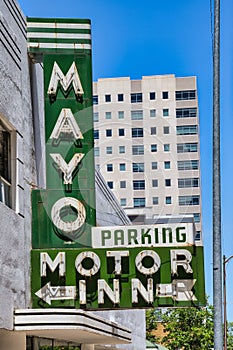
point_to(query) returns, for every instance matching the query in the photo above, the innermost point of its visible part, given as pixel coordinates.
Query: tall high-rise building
(147, 144)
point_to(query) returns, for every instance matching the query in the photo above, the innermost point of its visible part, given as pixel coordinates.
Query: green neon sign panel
(66, 209)
(118, 278)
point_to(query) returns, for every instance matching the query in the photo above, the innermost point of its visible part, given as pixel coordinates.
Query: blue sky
(137, 38)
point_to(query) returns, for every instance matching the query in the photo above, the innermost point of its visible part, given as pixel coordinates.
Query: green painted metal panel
(58, 35)
(106, 272)
(45, 234)
(66, 146)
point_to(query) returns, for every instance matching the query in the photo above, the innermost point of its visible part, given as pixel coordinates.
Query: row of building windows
(136, 149)
(141, 184)
(140, 202)
(138, 114)
(139, 132)
(140, 167)
(138, 96)
(181, 148)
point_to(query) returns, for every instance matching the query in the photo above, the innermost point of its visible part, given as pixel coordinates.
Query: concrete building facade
(147, 144)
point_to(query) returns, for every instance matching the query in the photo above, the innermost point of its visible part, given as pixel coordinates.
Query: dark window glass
(107, 98)
(122, 184)
(165, 95)
(139, 202)
(152, 95)
(186, 95)
(5, 166)
(187, 165)
(109, 167)
(95, 100)
(137, 132)
(109, 132)
(136, 97)
(187, 147)
(110, 184)
(186, 112)
(138, 167)
(139, 184)
(120, 97)
(96, 134)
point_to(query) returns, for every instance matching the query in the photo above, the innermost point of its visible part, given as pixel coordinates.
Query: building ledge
(76, 326)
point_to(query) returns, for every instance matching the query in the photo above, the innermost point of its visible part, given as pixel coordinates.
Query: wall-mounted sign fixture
(64, 212)
(73, 263)
(118, 278)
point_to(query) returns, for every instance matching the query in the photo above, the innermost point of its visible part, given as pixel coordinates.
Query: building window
(108, 115)
(96, 151)
(96, 134)
(120, 97)
(154, 183)
(122, 184)
(165, 95)
(122, 166)
(121, 149)
(187, 165)
(155, 200)
(165, 112)
(137, 115)
(197, 217)
(95, 100)
(168, 200)
(139, 184)
(138, 167)
(152, 95)
(137, 132)
(107, 98)
(186, 112)
(186, 95)
(110, 184)
(139, 202)
(109, 132)
(96, 117)
(123, 202)
(154, 165)
(153, 130)
(198, 236)
(189, 200)
(188, 182)
(109, 150)
(121, 132)
(153, 148)
(152, 113)
(167, 165)
(166, 147)
(6, 190)
(136, 97)
(167, 182)
(121, 115)
(166, 130)
(137, 150)
(187, 147)
(109, 167)
(186, 129)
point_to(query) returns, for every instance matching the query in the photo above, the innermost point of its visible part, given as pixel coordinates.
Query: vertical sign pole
(217, 251)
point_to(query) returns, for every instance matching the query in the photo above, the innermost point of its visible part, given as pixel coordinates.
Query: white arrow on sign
(180, 290)
(48, 293)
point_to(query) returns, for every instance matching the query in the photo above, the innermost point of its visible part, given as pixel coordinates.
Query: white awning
(71, 325)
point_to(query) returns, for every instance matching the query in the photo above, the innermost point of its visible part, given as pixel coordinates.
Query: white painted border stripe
(59, 35)
(59, 25)
(59, 46)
